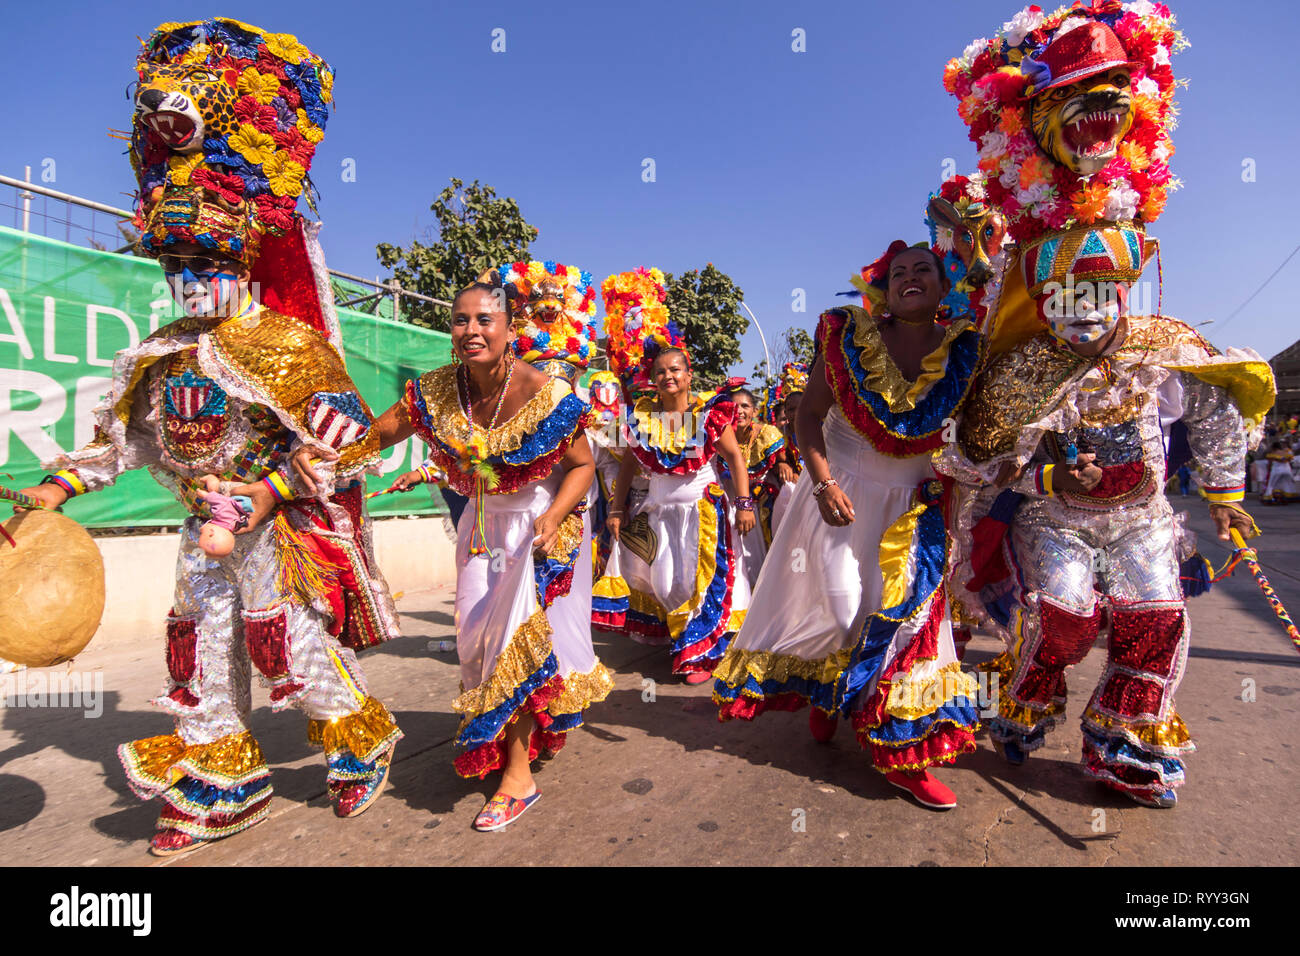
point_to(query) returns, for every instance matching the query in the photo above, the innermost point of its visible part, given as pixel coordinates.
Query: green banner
(65, 311)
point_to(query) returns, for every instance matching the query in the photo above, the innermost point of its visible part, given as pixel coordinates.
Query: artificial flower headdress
(794, 379)
(637, 325)
(997, 82)
(552, 306)
(227, 120)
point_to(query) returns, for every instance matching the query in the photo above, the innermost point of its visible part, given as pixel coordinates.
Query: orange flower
(1154, 205)
(1133, 154)
(1012, 122)
(1036, 169)
(1089, 202)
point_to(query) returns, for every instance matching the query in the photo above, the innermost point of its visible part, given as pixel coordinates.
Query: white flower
(973, 49)
(943, 238)
(1021, 25)
(1160, 153)
(993, 143)
(1161, 56)
(1010, 177)
(1122, 201)
(1033, 195)
(975, 188)
(1148, 86)
(1068, 24)
(1143, 8)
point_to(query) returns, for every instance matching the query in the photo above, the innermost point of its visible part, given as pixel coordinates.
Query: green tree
(705, 304)
(476, 231)
(794, 345)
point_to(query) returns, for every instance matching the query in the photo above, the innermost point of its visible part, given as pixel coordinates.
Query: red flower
(260, 117)
(1003, 86)
(228, 186)
(561, 270)
(572, 344)
(521, 268)
(290, 95)
(268, 62)
(296, 146)
(275, 211)
(525, 343)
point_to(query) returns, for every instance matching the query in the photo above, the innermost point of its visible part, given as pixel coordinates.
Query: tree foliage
(705, 304)
(476, 231)
(794, 345)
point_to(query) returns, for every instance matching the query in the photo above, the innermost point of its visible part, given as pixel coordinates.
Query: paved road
(662, 782)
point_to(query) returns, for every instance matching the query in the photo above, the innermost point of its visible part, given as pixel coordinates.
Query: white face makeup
(1083, 313)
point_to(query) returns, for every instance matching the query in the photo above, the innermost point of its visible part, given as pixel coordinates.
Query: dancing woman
(849, 613)
(512, 440)
(761, 445)
(680, 548)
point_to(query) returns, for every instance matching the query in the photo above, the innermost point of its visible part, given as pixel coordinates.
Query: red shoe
(171, 842)
(925, 787)
(698, 677)
(502, 810)
(821, 725)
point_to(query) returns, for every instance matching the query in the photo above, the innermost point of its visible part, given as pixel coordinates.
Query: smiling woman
(514, 441)
(849, 612)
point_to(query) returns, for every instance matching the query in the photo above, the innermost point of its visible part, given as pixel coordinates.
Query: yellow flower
(182, 165)
(326, 84)
(310, 131)
(196, 54)
(536, 272)
(1133, 154)
(263, 87)
(284, 175)
(287, 47)
(251, 143)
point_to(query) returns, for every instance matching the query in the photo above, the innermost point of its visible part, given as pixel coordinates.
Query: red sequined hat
(1087, 50)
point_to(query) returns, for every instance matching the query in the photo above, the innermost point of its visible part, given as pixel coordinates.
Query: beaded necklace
(475, 456)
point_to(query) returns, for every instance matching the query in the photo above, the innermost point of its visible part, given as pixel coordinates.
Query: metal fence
(55, 215)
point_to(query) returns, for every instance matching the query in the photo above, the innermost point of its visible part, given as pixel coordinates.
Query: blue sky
(786, 170)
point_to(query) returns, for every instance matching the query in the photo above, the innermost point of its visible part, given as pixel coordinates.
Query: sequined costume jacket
(1030, 404)
(235, 400)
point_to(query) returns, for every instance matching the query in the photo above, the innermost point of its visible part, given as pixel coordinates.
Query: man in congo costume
(217, 404)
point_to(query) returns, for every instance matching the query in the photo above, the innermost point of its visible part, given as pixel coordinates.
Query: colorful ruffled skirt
(853, 620)
(523, 629)
(676, 577)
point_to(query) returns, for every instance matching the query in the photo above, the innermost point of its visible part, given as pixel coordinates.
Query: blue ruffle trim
(486, 726)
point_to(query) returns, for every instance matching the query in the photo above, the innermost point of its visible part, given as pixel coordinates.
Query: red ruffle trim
(721, 414)
(747, 708)
(859, 415)
(945, 744)
(558, 587)
(172, 815)
(491, 756)
(924, 645)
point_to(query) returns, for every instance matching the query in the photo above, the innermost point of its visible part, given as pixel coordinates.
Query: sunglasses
(199, 265)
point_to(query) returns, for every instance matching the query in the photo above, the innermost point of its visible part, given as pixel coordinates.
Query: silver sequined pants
(231, 615)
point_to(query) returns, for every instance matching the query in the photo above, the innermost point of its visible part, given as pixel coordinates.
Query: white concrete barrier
(140, 571)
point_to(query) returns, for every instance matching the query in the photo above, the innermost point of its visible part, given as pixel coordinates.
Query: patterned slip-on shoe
(502, 810)
(352, 800)
(174, 843)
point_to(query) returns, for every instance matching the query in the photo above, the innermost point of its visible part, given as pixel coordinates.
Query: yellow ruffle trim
(1171, 734)
(523, 656)
(644, 603)
(158, 762)
(882, 375)
(911, 700)
(612, 588)
(447, 418)
(366, 734)
(737, 666)
(583, 690)
(706, 562)
(652, 423)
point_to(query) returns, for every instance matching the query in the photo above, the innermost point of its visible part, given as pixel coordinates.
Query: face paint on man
(207, 293)
(1085, 312)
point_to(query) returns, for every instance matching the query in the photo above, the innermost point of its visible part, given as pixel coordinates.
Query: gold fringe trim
(227, 761)
(568, 536)
(583, 690)
(910, 700)
(737, 665)
(883, 376)
(527, 651)
(370, 729)
(1171, 734)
